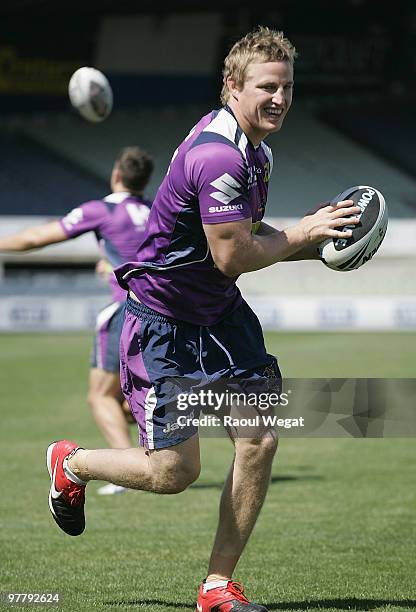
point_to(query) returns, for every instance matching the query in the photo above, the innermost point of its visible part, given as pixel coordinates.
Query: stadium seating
(64, 160)
(392, 135)
(36, 181)
(313, 162)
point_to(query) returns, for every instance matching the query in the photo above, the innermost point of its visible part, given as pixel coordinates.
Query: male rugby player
(118, 221)
(186, 324)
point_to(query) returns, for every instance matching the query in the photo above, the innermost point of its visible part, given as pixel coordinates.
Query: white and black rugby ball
(90, 94)
(351, 253)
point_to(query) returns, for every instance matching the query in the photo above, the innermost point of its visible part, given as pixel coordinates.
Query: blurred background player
(118, 221)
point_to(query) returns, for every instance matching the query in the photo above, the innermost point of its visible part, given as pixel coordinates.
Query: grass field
(337, 531)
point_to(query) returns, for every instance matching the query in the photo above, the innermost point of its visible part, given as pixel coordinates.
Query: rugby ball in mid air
(90, 94)
(367, 235)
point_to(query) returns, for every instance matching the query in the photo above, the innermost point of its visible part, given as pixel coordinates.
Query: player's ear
(233, 88)
(115, 175)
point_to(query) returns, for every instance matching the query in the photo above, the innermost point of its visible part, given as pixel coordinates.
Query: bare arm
(265, 229)
(309, 252)
(33, 238)
(236, 250)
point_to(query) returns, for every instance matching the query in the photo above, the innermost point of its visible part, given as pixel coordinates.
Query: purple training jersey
(118, 222)
(216, 175)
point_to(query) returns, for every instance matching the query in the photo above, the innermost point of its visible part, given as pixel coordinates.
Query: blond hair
(259, 46)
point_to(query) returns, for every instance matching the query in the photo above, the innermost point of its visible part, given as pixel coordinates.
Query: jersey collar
(229, 110)
(116, 198)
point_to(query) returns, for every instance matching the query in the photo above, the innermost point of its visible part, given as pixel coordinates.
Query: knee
(181, 480)
(95, 397)
(176, 477)
(91, 399)
(269, 443)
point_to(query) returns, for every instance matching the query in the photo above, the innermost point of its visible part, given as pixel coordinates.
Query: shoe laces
(237, 589)
(75, 495)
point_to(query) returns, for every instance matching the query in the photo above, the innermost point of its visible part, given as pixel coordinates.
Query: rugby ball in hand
(351, 253)
(90, 94)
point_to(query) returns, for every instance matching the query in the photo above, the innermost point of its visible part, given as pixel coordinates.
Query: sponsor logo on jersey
(73, 218)
(253, 171)
(227, 189)
(138, 213)
(252, 177)
(267, 172)
(227, 208)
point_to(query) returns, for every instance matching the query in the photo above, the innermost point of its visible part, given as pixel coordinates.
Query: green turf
(361, 355)
(337, 531)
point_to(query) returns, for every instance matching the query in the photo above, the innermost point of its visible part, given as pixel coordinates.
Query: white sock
(214, 584)
(70, 475)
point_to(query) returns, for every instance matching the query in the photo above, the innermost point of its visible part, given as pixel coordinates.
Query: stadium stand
(313, 162)
(326, 161)
(390, 135)
(36, 181)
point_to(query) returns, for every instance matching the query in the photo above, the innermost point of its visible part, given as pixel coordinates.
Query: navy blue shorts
(105, 353)
(163, 360)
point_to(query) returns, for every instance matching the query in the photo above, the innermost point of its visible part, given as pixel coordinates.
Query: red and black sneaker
(226, 597)
(66, 498)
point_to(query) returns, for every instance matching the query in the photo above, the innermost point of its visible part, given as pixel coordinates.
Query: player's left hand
(103, 269)
(316, 208)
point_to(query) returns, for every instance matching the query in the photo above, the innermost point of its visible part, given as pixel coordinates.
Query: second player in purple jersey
(118, 222)
(216, 176)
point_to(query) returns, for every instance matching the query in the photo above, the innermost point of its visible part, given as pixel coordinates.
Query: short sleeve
(219, 175)
(85, 218)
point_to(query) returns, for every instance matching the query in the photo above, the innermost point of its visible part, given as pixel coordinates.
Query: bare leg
(105, 399)
(168, 470)
(241, 501)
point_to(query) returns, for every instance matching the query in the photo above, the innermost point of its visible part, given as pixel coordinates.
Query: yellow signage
(34, 76)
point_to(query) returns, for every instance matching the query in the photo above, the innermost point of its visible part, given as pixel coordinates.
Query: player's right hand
(324, 221)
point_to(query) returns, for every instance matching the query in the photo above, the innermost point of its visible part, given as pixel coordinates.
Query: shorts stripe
(107, 335)
(105, 315)
(149, 406)
(102, 320)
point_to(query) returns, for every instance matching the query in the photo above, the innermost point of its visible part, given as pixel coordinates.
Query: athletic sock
(70, 474)
(214, 584)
